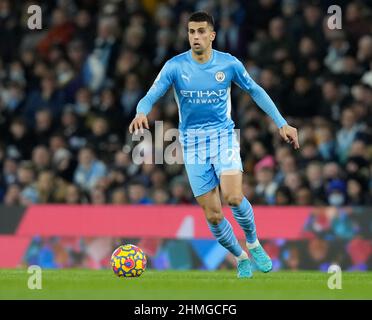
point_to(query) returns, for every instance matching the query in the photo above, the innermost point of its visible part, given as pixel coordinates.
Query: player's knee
(214, 217)
(234, 200)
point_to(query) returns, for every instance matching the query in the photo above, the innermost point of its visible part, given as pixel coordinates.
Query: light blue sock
(244, 216)
(226, 237)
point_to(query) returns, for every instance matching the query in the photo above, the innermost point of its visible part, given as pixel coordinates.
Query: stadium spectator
(72, 130)
(97, 196)
(326, 142)
(89, 169)
(13, 195)
(8, 26)
(356, 21)
(293, 181)
(337, 51)
(137, 194)
(266, 187)
(355, 193)
(109, 109)
(283, 196)
(50, 188)
(105, 142)
(333, 100)
(73, 195)
(228, 36)
(304, 197)
(303, 101)
(160, 196)
(100, 63)
(346, 134)
(41, 159)
(179, 191)
(19, 141)
(48, 96)
(130, 95)
(119, 196)
(60, 32)
(287, 165)
(315, 180)
(9, 173)
(25, 174)
(336, 193)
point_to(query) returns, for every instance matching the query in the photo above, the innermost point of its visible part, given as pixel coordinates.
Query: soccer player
(201, 79)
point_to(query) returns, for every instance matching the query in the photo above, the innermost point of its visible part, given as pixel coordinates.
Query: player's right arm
(160, 86)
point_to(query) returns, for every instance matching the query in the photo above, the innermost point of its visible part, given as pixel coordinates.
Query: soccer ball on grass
(128, 261)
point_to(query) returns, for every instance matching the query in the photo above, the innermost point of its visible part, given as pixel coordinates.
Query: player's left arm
(263, 100)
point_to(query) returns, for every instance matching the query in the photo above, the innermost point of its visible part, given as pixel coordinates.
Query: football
(128, 261)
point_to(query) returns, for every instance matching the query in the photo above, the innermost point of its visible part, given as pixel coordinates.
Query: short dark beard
(198, 53)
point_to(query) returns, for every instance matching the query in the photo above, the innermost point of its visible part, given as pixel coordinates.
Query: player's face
(201, 36)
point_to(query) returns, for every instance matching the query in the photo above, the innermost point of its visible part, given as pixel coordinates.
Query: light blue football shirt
(202, 91)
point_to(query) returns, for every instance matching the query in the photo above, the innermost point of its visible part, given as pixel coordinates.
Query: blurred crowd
(69, 91)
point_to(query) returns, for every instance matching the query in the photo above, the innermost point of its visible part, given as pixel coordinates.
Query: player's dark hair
(201, 16)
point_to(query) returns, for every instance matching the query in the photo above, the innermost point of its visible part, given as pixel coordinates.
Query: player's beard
(199, 51)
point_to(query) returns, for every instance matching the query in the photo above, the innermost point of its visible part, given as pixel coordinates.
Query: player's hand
(138, 123)
(289, 134)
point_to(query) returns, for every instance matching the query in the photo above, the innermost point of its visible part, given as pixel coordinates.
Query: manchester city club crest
(220, 76)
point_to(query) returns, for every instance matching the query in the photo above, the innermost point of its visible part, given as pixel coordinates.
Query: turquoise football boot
(244, 269)
(261, 259)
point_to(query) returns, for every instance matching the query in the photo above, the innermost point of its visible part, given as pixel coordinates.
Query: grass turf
(168, 285)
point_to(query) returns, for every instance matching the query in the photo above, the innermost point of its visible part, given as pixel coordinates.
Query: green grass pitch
(167, 285)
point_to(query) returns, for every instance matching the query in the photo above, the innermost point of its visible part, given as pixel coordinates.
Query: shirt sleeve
(160, 86)
(258, 94)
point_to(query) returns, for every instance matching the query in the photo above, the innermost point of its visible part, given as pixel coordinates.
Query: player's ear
(213, 35)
